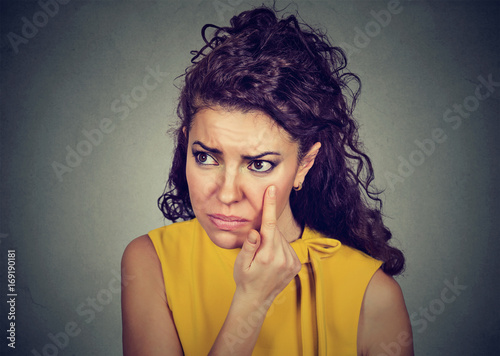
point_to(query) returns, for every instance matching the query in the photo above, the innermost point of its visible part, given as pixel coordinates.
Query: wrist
(251, 302)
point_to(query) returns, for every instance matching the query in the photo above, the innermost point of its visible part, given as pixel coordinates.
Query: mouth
(227, 223)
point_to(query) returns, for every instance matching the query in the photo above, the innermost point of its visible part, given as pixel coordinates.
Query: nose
(229, 190)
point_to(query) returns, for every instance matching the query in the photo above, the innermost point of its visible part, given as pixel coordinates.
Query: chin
(227, 239)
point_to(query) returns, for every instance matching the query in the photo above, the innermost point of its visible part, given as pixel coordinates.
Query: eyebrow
(247, 157)
(206, 148)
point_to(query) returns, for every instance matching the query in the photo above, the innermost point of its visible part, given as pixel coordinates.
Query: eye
(261, 166)
(205, 159)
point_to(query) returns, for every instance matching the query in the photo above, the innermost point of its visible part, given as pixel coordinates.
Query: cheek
(255, 195)
(283, 189)
(197, 185)
(202, 187)
(282, 198)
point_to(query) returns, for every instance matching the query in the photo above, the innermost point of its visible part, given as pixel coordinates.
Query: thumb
(249, 248)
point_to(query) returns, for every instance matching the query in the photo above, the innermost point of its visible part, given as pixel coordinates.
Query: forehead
(254, 130)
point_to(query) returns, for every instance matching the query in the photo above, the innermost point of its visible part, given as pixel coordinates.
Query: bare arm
(384, 324)
(148, 327)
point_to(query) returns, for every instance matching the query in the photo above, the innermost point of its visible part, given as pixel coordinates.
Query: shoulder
(148, 252)
(384, 319)
(140, 259)
(361, 259)
(172, 242)
(139, 250)
(382, 293)
(358, 268)
(178, 230)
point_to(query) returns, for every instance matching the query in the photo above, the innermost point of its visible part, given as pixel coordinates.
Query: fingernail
(272, 191)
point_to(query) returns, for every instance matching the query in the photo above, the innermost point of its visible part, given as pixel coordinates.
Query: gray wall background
(69, 232)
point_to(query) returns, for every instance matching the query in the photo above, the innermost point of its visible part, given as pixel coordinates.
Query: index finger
(268, 224)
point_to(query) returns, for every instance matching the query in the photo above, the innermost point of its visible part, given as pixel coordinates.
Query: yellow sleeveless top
(316, 314)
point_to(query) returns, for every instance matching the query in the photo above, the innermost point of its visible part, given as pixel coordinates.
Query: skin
(225, 182)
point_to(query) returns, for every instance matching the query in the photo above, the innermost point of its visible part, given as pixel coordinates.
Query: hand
(266, 262)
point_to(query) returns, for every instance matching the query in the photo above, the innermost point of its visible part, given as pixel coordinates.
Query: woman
(280, 252)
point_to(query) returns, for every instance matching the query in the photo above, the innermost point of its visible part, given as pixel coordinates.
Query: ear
(306, 164)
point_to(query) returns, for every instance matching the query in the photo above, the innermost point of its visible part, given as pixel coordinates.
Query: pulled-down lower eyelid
(211, 159)
(272, 165)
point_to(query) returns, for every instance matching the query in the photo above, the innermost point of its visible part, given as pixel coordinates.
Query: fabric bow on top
(311, 246)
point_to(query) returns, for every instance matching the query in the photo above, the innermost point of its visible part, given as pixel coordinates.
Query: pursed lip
(228, 223)
(227, 218)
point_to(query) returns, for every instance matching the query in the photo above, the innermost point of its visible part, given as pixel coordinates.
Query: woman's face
(232, 157)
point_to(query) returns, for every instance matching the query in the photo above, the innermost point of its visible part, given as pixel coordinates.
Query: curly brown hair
(291, 72)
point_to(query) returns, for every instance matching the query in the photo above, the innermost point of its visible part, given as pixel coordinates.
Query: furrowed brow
(251, 158)
(247, 157)
(209, 149)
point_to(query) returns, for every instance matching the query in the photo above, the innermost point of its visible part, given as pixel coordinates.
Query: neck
(287, 225)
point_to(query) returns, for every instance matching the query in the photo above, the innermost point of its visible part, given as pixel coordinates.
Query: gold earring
(298, 188)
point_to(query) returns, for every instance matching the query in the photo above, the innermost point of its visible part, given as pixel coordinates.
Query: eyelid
(272, 164)
(196, 153)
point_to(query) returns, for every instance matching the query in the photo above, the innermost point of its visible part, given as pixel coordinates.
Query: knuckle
(282, 265)
(266, 259)
(269, 224)
(292, 266)
(248, 247)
